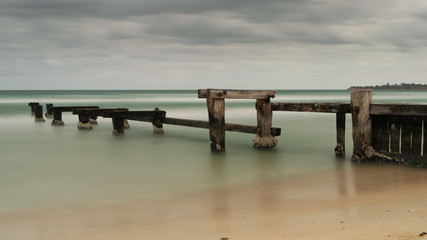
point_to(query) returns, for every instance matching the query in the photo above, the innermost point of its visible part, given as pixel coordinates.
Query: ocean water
(43, 166)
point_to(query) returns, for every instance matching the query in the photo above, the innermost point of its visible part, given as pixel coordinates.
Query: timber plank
(416, 129)
(398, 109)
(394, 122)
(312, 107)
(405, 135)
(236, 94)
(380, 136)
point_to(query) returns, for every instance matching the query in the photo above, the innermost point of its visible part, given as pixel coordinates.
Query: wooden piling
(263, 138)
(39, 113)
(33, 109)
(49, 112)
(84, 123)
(394, 134)
(425, 137)
(57, 118)
(362, 126)
(157, 124)
(118, 125)
(340, 126)
(216, 113)
(416, 135)
(93, 119)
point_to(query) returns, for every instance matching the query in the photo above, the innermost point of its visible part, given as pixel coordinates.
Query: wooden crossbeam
(98, 111)
(398, 109)
(236, 94)
(70, 108)
(312, 107)
(228, 126)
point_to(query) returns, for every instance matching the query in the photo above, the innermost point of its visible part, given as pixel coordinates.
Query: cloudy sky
(191, 44)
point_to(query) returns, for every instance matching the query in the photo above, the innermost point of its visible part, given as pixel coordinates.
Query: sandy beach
(350, 202)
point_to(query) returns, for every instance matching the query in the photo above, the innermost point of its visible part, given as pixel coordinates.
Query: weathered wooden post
(49, 113)
(93, 119)
(57, 118)
(157, 124)
(263, 138)
(39, 113)
(33, 109)
(361, 100)
(118, 125)
(126, 123)
(340, 125)
(216, 113)
(84, 122)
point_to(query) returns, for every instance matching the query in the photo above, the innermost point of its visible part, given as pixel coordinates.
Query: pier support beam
(126, 123)
(216, 113)
(49, 112)
(57, 119)
(263, 138)
(362, 125)
(340, 125)
(93, 119)
(39, 113)
(33, 109)
(118, 125)
(84, 123)
(157, 124)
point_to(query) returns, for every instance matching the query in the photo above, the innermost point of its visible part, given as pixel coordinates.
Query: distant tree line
(400, 86)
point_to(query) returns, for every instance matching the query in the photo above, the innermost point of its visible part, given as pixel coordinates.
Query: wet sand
(350, 202)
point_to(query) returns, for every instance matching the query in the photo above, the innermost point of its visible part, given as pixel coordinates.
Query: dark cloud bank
(211, 43)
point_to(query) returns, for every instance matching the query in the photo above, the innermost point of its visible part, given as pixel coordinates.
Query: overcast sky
(191, 44)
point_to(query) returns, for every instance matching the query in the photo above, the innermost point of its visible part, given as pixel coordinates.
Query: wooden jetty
(57, 113)
(389, 132)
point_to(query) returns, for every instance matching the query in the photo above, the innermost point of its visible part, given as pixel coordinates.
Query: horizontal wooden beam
(136, 115)
(236, 94)
(205, 124)
(71, 108)
(98, 111)
(398, 109)
(312, 107)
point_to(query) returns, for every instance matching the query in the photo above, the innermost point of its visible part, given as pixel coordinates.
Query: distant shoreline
(402, 86)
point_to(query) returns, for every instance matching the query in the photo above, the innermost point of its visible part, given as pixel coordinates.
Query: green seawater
(43, 166)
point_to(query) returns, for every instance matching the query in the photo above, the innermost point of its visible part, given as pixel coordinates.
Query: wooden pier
(388, 132)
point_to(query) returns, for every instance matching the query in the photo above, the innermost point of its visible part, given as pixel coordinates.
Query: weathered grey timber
(216, 113)
(398, 109)
(312, 107)
(236, 94)
(263, 137)
(228, 126)
(32, 105)
(57, 113)
(39, 113)
(362, 128)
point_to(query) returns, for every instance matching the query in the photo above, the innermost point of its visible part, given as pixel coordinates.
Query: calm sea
(43, 166)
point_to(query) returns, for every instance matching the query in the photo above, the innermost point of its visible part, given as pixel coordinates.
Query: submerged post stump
(216, 113)
(33, 108)
(84, 122)
(57, 119)
(39, 113)
(118, 126)
(93, 119)
(263, 138)
(157, 124)
(362, 126)
(340, 125)
(126, 123)
(49, 112)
